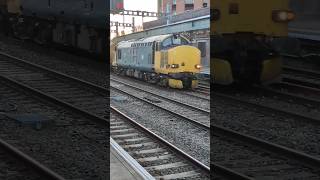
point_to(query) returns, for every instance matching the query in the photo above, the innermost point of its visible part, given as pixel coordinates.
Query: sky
(142, 5)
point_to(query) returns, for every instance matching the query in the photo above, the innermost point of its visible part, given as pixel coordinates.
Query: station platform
(307, 29)
(205, 70)
(204, 73)
(123, 166)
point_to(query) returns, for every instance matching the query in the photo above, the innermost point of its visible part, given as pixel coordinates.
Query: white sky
(142, 5)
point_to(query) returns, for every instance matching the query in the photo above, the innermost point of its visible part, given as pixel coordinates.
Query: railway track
(158, 156)
(89, 98)
(299, 71)
(251, 99)
(275, 116)
(165, 121)
(185, 94)
(62, 130)
(301, 77)
(192, 113)
(253, 158)
(82, 94)
(18, 165)
(203, 87)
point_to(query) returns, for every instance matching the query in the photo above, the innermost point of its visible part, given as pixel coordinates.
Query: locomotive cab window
(174, 41)
(166, 43)
(157, 44)
(177, 40)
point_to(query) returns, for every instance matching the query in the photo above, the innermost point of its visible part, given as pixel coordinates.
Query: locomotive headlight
(282, 15)
(291, 16)
(198, 66)
(174, 65)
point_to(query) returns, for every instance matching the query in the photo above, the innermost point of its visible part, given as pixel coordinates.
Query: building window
(189, 1)
(205, 3)
(188, 5)
(168, 8)
(174, 6)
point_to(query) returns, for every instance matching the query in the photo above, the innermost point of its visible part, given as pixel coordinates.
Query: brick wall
(180, 5)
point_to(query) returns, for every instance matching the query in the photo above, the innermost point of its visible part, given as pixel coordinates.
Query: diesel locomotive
(245, 40)
(167, 60)
(72, 23)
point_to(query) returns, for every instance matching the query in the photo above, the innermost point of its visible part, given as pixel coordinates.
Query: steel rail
(301, 71)
(266, 108)
(228, 172)
(302, 83)
(30, 161)
(295, 97)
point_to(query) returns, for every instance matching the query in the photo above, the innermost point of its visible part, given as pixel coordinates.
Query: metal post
(117, 29)
(133, 24)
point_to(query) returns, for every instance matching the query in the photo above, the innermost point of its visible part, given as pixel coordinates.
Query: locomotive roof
(159, 38)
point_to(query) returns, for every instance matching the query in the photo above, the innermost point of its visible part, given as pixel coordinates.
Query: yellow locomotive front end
(180, 65)
(243, 39)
